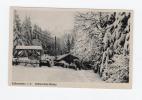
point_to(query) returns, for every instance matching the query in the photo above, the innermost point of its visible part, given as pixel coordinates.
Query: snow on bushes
(118, 71)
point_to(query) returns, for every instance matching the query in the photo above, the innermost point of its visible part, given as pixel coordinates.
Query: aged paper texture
(64, 47)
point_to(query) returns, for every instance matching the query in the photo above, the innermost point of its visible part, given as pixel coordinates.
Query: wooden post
(55, 47)
(40, 57)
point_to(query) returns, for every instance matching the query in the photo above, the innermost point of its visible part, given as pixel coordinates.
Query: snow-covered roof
(29, 47)
(62, 56)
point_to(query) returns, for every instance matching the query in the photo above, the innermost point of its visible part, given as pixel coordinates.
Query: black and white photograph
(70, 47)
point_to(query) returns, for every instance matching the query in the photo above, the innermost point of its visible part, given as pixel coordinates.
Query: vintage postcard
(69, 47)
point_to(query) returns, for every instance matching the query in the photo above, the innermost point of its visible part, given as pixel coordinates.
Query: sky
(57, 21)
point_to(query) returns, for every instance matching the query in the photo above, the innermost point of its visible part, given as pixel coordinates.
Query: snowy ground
(53, 74)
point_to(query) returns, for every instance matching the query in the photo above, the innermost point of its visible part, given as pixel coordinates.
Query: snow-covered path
(53, 74)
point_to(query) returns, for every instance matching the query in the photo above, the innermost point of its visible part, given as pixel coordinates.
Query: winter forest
(99, 41)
